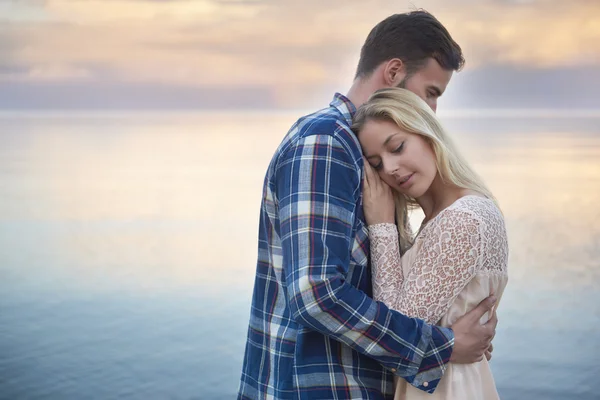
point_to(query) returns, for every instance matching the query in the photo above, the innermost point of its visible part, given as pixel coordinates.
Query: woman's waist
(474, 293)
(460, 381)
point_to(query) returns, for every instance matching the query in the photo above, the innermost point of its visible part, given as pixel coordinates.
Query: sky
(284, 54)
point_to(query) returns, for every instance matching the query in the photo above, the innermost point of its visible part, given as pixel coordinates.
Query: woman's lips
(402, 182)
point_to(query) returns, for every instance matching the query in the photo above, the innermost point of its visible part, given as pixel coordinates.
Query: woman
(458, 257)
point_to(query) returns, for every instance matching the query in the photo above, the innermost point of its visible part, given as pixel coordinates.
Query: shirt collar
(344, 106)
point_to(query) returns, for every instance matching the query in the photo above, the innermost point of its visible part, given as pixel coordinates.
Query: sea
(128, 244)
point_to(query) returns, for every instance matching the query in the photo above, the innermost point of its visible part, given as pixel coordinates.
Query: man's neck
(361, 90)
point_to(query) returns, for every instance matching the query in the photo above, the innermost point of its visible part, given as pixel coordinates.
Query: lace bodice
(466, 239)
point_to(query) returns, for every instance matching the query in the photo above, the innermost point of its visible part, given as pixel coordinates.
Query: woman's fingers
(367, 171)
(370, 174)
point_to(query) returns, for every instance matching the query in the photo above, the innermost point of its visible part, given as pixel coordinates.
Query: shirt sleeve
(449, 258)
(317, 188)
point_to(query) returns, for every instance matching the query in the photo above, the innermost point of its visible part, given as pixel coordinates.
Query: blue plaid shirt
(314, 331)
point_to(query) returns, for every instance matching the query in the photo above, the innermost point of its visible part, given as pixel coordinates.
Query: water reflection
(139, 235)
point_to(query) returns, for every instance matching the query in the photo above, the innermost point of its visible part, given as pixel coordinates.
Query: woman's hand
(378, 199)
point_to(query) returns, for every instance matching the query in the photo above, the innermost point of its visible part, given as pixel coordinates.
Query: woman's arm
(386, 265)
(451, 255)
(379, 210)
(448, 260)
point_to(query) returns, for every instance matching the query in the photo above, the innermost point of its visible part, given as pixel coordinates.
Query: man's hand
(488, 352)
(472, 339)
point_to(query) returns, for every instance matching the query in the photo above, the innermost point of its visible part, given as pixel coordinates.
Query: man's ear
(393, 72)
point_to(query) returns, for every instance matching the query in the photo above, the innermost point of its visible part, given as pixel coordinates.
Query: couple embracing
(348, 301)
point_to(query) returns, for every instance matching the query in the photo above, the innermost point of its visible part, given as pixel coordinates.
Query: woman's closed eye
(377, 166)
(399, 148)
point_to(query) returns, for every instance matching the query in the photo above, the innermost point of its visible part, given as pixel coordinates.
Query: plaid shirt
(314, 331)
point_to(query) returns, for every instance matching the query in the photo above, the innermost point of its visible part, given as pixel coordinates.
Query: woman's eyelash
(399, 148)
(380, 164)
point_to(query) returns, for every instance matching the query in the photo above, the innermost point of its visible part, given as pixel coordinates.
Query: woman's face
(404, 161)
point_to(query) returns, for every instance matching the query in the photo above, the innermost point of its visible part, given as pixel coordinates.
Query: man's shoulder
(325, 123)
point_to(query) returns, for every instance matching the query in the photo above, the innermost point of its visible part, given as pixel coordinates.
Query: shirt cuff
(435, 360)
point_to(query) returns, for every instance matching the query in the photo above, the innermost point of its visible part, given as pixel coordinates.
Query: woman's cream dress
(456, 261)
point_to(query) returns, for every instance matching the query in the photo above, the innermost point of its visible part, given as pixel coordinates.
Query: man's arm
(317, 193)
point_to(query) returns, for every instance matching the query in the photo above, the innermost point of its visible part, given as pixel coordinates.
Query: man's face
(429, 82)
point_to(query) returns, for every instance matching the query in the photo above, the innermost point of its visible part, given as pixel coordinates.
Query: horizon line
(488, 112)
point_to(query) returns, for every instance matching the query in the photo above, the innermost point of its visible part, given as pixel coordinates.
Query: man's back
(314, 331)
(274, 334)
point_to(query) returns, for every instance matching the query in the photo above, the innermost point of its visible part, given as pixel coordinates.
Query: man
(314, 331)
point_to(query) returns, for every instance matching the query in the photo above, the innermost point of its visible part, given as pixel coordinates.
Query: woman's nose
(390, 169)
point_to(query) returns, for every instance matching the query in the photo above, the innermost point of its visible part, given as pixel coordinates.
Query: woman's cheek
(387, 179)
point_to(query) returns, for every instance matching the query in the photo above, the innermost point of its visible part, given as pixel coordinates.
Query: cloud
(287, 46)
(111, 95)
(102, 11)
(510, 87)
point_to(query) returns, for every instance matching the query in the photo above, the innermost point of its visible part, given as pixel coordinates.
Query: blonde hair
(413, 115)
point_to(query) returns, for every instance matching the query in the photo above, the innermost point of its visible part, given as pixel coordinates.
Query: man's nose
(433, 105)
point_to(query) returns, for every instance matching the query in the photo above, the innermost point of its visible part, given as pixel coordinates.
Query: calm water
(127, 248)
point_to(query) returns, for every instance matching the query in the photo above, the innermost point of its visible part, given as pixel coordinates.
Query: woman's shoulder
(471, 210)
(491, 229)
(475, 206)
(481, 217)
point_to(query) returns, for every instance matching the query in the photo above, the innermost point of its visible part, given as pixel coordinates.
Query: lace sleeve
(448, 259)
(385, 263)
